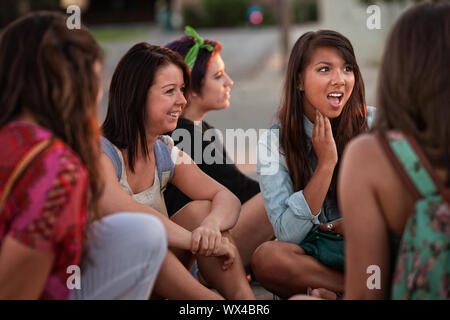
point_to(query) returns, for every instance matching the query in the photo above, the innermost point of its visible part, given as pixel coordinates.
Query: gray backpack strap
(110, 151)
(164, 161)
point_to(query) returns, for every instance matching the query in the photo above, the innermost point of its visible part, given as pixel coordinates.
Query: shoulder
(175, 153)
(167, 140)
(270, 139)
(272, 132)
(19, 138)
(364, 158)
(363, 147)
(59, 167)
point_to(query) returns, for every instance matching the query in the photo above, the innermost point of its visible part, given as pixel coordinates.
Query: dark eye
(170, 91)
(183, 89)
(348, 69)
(323, 69)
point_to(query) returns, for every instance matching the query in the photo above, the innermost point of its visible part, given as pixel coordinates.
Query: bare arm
(23, 270)
(197, 185)
(225, 206)
(367, 238)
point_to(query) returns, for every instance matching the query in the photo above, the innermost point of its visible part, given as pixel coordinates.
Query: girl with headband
(147, 95)
(323, 107)
(211, 88)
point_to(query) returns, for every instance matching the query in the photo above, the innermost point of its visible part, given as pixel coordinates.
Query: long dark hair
(351, 122)
(48, 71)
(125, 123)
(414, 81)
(198, 72)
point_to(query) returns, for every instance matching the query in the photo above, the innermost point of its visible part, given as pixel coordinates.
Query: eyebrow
(170, 84)
(324, 62)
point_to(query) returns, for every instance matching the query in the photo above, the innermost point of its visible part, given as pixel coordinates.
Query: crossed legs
(284, 269)
(175, 281)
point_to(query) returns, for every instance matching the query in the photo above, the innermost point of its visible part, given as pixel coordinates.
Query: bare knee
(273, 261)
(192, 214)
(263, 261)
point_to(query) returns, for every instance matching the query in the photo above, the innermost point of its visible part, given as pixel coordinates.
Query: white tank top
(152, 196)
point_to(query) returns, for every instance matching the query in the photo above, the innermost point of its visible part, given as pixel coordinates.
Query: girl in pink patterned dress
(49, 91)
(49, 206)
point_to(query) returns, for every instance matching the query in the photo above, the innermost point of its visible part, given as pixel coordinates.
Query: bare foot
(324, 294)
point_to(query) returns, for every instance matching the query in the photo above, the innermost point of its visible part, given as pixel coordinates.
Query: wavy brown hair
(351, 122)
(414, 82)
(47, 70)
(124, 124)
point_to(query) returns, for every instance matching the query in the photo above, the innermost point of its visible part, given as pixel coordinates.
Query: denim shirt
(288, 211)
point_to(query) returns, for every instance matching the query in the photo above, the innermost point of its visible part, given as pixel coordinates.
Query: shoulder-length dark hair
(203, 61)
(48, 71)
(414, 82)
(125, 123)
(351, 122)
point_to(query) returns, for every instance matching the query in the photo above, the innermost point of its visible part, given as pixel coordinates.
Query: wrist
(211, 222)
(326, 166)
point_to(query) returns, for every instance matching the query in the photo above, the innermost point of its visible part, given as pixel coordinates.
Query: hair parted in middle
(125, 124)
(351, 122)
(204, 57)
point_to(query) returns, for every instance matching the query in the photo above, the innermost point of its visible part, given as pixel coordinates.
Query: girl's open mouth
(335, 98)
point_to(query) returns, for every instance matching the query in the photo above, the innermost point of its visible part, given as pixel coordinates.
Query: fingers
(327, 126)
(205, 242)
(321, 125)
(204, 245)
(195, 242)
(316, 125)
(229, 257)
(213, 244)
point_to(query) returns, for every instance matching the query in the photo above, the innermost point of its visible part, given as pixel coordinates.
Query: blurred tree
(227, 13)
(12, 9)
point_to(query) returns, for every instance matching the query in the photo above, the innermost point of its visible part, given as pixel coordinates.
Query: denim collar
(309, 126)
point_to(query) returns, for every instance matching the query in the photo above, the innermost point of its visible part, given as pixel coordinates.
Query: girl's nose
(229, 82)
(181, 99)
(338, 78)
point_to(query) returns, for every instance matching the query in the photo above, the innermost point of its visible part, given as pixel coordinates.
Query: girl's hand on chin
(323, 142)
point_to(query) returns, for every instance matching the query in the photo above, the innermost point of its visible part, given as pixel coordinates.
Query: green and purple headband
(192, 54)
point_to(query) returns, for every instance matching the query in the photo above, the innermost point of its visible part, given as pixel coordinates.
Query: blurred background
(256, 36)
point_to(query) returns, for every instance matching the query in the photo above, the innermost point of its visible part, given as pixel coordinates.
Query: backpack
(422, 269)
(164, 164)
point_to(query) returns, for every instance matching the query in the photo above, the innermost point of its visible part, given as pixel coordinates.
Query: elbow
(232, 200)
(232, 204)
(236, 204)
(282, 235)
